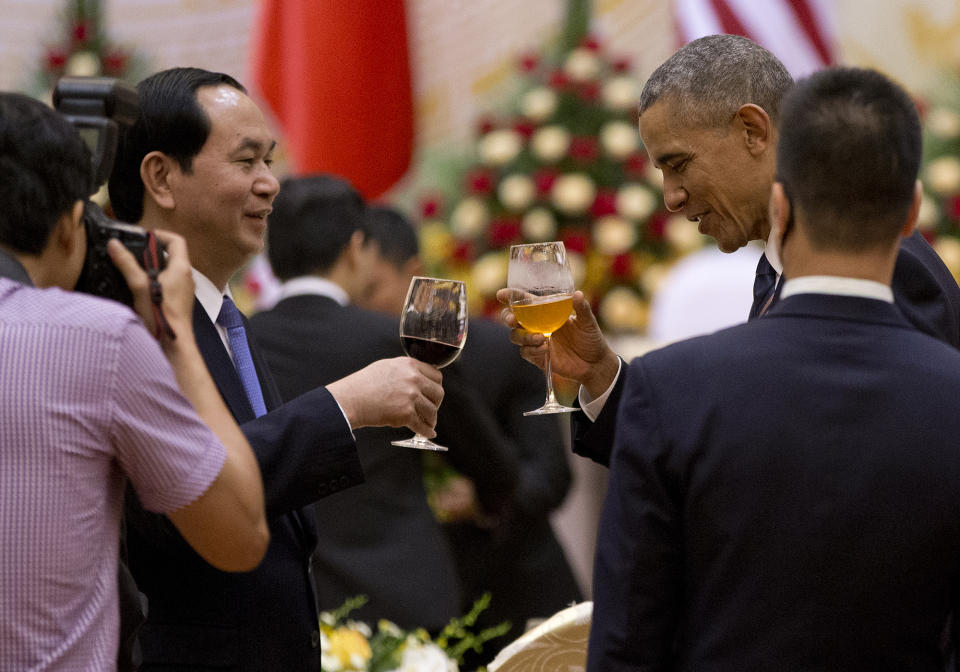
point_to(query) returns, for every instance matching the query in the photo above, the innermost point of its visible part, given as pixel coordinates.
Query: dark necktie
(764, 286)
(231, 320)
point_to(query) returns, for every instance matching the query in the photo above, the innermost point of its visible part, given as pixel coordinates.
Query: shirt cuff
(347, 420)
(592, 407)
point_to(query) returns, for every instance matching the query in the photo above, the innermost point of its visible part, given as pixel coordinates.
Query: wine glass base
(420, 443)
(547, 409)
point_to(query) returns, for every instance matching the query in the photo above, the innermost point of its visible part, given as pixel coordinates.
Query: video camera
(98, 107)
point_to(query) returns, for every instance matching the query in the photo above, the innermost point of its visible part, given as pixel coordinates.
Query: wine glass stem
(551, 398)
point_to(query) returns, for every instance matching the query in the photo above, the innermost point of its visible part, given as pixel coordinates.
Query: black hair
(312, 222)
(45, 168)
(394, 234)
(849, 154)
(171, 121)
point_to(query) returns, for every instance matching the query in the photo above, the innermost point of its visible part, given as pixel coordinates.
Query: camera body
(97, 107)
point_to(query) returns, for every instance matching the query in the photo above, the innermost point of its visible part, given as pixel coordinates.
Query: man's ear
(155, 171)
(413, 266)
(779, 210)
(69, 233)
(914, 212)
(756, 127)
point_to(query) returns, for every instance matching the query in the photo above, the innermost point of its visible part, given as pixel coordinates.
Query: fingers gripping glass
(541, 298)
(433, 329)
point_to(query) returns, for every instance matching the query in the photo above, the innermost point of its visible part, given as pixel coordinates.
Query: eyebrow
(253, 145)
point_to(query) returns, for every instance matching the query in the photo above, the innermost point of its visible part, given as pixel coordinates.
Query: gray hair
(709, 78)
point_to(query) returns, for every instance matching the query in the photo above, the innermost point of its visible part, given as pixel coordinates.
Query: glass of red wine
(433, 329)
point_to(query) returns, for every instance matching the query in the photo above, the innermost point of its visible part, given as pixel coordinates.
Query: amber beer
(544, 314)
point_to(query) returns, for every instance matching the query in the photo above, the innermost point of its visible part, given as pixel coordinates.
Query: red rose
(81, 31)
(558, 79)
(605, 203)
(589, 91)
(575, 241)
(479, 182)
(485, 125)
(636, 164)
(583, 148)
(529, 62)
(657, 224)
(622, 266)
(954, 208)
(463, 251)
(543, 180)
(524, 128)
(590, 42)
(429, 207)
(503, 232)
(621, 65)
(115, 62)
(56, 58)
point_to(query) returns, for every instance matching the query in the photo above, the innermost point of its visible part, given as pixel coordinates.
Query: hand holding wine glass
(433, 329)
(541, 297)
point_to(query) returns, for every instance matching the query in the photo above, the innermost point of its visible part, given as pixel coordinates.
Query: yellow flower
(350, 648)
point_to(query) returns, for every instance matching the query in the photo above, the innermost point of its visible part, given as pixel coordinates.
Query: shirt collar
(315, 285)
(770, 252)
(209, 296)
(832, 284)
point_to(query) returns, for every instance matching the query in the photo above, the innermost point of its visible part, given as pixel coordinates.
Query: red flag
(336, 75)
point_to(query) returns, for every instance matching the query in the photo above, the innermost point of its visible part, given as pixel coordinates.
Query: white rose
(578, 267)
(538, 104)
(573, 193)
(83, 64)
(943, 175)
(684, 234)
(652, 278)
(469, 219)
(621, 309)
(539, 225)
(516, 191)
(420, 657)
(550, 143)
(949, 250)
(500, 147)
(619, 139)
(621, 93)
(613, 235)
(582, 65)
(489, 273)
(929, 212)
(635, 201)
(943, 123)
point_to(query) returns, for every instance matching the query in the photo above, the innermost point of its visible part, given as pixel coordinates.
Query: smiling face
(222, 203)
(717, 177)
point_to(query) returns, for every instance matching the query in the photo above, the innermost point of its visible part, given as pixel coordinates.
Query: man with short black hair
(198, 162)
(779, 490)
(89, 402)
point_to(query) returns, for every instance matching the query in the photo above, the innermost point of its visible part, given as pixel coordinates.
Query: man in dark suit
(197, 162)
(782, 493)
(720, 85)
(381, 540)
(513, 554)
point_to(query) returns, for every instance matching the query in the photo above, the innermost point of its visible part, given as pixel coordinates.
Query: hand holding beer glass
(433, 329)
(541, 298)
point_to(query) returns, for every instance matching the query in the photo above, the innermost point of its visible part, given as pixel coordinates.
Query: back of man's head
(312, 222)
(171, 121)
(45, 168)
(708, 79)
(395, 236)
(849, 154)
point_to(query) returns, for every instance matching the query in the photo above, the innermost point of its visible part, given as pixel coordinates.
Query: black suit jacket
(783, 496)
(518, 559)
(202, 618)
(923, 289)
(380, 540)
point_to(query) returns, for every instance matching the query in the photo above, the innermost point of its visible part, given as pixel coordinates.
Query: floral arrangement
(564, 163)
(84, 49)
(353, 646)
(939, 218)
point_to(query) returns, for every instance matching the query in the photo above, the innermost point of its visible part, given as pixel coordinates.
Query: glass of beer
(541, 298)
(433, 329)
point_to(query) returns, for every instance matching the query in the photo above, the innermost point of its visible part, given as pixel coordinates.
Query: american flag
(799, 32)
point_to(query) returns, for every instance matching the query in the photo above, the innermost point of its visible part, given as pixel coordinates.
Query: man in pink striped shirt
(90, 399)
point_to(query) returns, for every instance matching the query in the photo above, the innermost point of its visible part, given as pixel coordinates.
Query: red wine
(432, 352)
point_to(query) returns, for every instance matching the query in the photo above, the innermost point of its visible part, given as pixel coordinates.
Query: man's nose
(674, 195)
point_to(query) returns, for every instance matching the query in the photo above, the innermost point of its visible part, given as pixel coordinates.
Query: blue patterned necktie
(230, 319)
(764, 287)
